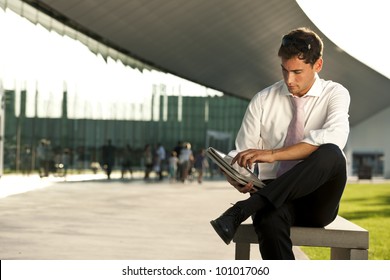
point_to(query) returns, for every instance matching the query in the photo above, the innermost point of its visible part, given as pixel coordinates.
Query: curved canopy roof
(227, 45)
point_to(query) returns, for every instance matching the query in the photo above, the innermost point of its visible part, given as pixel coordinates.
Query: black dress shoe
(227, 224)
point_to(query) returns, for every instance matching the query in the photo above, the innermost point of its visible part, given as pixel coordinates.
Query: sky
(35, 59)
(358, 27)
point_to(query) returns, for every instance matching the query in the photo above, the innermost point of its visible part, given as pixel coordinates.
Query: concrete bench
(347, 240)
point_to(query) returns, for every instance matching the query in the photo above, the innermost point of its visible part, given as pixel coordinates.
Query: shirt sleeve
(249, 134)
(335, 129)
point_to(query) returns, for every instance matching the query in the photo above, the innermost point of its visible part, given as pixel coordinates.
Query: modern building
(228, 46)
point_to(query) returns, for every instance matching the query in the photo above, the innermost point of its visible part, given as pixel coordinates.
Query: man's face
(298, 75)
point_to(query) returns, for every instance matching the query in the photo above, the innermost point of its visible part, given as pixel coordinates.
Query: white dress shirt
(269, 113)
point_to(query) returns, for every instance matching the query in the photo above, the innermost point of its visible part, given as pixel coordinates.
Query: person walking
(108, 155)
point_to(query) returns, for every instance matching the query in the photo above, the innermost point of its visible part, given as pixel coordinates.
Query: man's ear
(318, 65)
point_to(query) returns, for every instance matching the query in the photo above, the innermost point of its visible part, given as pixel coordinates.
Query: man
(160, 160)
(308, 192)
(108, 157)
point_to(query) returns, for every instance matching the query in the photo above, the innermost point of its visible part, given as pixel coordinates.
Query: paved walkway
(89, 217)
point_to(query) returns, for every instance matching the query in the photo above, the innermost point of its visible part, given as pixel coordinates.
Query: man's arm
(248, 157)
(335, 128)
(298, 151)
(295, 152)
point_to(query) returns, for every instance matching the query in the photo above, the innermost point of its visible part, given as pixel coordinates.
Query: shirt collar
(315, 89)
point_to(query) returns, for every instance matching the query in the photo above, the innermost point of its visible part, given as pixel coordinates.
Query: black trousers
(307, 195)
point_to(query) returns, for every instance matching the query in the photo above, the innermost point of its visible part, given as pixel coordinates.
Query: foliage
(367, 205)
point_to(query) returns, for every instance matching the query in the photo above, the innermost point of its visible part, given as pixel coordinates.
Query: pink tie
(295, 132)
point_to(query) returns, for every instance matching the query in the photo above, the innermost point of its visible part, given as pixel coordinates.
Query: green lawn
(367, 205)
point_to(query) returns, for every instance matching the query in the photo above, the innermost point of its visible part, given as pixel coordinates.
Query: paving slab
(87, 217)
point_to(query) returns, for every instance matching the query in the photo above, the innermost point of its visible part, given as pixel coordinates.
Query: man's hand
(248, 188)
(248, 157)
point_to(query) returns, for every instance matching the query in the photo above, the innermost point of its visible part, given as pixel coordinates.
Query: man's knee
(330, 149)
(330, 154)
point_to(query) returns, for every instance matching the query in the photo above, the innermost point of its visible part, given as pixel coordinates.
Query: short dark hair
(303, 43)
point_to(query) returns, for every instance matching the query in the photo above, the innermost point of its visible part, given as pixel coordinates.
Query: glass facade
(178, 118)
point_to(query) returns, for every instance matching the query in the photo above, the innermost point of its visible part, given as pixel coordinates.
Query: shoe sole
(220, 232)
